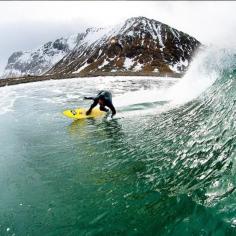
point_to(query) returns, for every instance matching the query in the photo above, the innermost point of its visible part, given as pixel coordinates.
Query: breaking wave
(175, 149)
(196, 138)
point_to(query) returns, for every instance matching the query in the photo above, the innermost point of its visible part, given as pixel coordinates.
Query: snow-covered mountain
(39, 60)
(137, 45)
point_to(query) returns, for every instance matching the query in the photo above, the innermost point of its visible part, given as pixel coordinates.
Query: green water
(144, 173)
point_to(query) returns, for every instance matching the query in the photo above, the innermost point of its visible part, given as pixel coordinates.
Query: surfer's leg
(102, 108)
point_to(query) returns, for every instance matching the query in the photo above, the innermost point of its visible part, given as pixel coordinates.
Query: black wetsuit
(107, 99)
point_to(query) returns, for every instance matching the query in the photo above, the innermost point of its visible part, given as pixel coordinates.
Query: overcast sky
(27, 25)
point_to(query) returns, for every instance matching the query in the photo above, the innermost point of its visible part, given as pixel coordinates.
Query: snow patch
(105, 62)
(81, 68)
(95, 35)
(159, 37)
(138, 67)
(128, 63)
(72, 40)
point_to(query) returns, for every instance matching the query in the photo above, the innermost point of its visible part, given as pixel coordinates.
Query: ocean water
(165, 165)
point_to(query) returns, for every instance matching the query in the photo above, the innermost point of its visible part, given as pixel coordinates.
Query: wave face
(164, 166)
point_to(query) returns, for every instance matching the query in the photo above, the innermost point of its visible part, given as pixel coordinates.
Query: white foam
(140, 96)
(196, 80)
(8, 97)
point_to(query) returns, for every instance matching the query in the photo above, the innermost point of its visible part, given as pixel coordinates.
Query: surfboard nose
(74, 112)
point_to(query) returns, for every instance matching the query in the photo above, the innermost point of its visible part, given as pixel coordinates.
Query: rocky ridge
(138, 45)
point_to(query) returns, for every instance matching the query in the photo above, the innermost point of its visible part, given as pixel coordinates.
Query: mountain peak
(137, 45)
(142, 20)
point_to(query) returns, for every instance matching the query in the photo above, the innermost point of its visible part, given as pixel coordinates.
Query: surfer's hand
(88, 98)
(88, 112)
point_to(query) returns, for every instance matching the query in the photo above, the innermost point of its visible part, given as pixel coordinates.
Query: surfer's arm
(91, 107)
(113, 110)
(89, 98)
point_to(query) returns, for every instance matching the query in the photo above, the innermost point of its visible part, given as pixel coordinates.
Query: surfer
(104, 98)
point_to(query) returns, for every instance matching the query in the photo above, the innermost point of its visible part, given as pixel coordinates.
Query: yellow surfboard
(80, 113)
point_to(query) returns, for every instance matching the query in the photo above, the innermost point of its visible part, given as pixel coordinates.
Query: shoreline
(30, 79)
